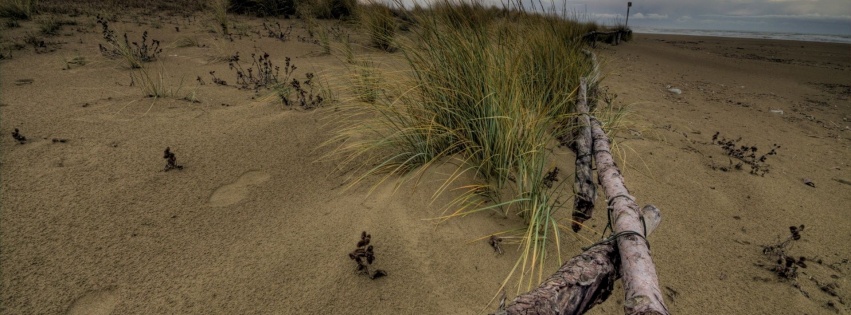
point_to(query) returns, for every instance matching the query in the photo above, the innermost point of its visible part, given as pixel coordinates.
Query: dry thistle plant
(133, 52)
(263, 74)
(171, 161)
(19, 137)
(266, 74)
(786, 266)
(364, 256)
(277, 32)
(746, 155)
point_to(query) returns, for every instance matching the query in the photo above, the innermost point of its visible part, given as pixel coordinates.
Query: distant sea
(846, 39)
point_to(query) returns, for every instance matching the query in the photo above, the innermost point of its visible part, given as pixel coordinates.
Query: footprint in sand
(95, 303)
(237, 191)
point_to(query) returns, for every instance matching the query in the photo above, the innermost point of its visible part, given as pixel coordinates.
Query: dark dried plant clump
(786, 266)
(496, 243)
(551, 177)
(277, 32)
(265, 76)
(746, 155)
(171, 160)
(306, 95)
(146, 52)
(308, 39)
(18, 136)
(51, 26)
(363, 255)
(39, 44)
(215, 79)
(134, 52)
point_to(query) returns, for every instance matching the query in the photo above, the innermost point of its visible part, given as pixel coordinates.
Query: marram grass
(18, 9)
(488, 90)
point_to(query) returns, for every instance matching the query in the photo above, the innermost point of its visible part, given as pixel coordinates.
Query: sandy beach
(793, 94)
(259, 221)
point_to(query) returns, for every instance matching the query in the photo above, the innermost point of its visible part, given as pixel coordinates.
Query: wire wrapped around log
(580, 283)
(641, 285)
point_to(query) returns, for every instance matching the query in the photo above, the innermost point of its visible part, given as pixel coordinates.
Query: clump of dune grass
(186, 41)
(12, 23)
(347, 50)
(77, 60)
(380, 23)
(324, 40)
(219, 9)
(321, 9)
(489, 90)
(51, 25)
(263, 7)
(153, 83)
(366, 80)
(330, 9)
(18, 9)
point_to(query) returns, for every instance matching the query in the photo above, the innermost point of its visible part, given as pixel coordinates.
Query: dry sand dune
(260, 222)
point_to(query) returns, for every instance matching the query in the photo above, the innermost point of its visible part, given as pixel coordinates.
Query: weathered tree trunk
(583, 186)
(587, 279)
(641, 285)
(581, 283)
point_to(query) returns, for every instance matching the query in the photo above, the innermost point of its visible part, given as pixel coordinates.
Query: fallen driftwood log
(587, 279)
(641, 284)
(583, 186)
(582, 282)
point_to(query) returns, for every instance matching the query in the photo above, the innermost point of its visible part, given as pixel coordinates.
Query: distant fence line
(611, 37)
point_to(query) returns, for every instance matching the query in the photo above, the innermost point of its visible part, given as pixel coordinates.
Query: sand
(259, 221)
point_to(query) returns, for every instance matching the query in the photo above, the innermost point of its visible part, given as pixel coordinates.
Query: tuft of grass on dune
(220, 9)
(322, 9)
(380, 24)
(263, 7)
(154, 85)
(18, 9)
(489, 89)
(331, 9)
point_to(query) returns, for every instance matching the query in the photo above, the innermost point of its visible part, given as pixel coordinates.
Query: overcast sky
(795, 16)
(786, 16)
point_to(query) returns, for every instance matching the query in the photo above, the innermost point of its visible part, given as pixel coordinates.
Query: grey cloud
(799, 16)
(802, 16)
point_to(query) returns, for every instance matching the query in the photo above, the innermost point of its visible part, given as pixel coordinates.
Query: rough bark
(641, 285)
(583, 186)
(581, 283)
